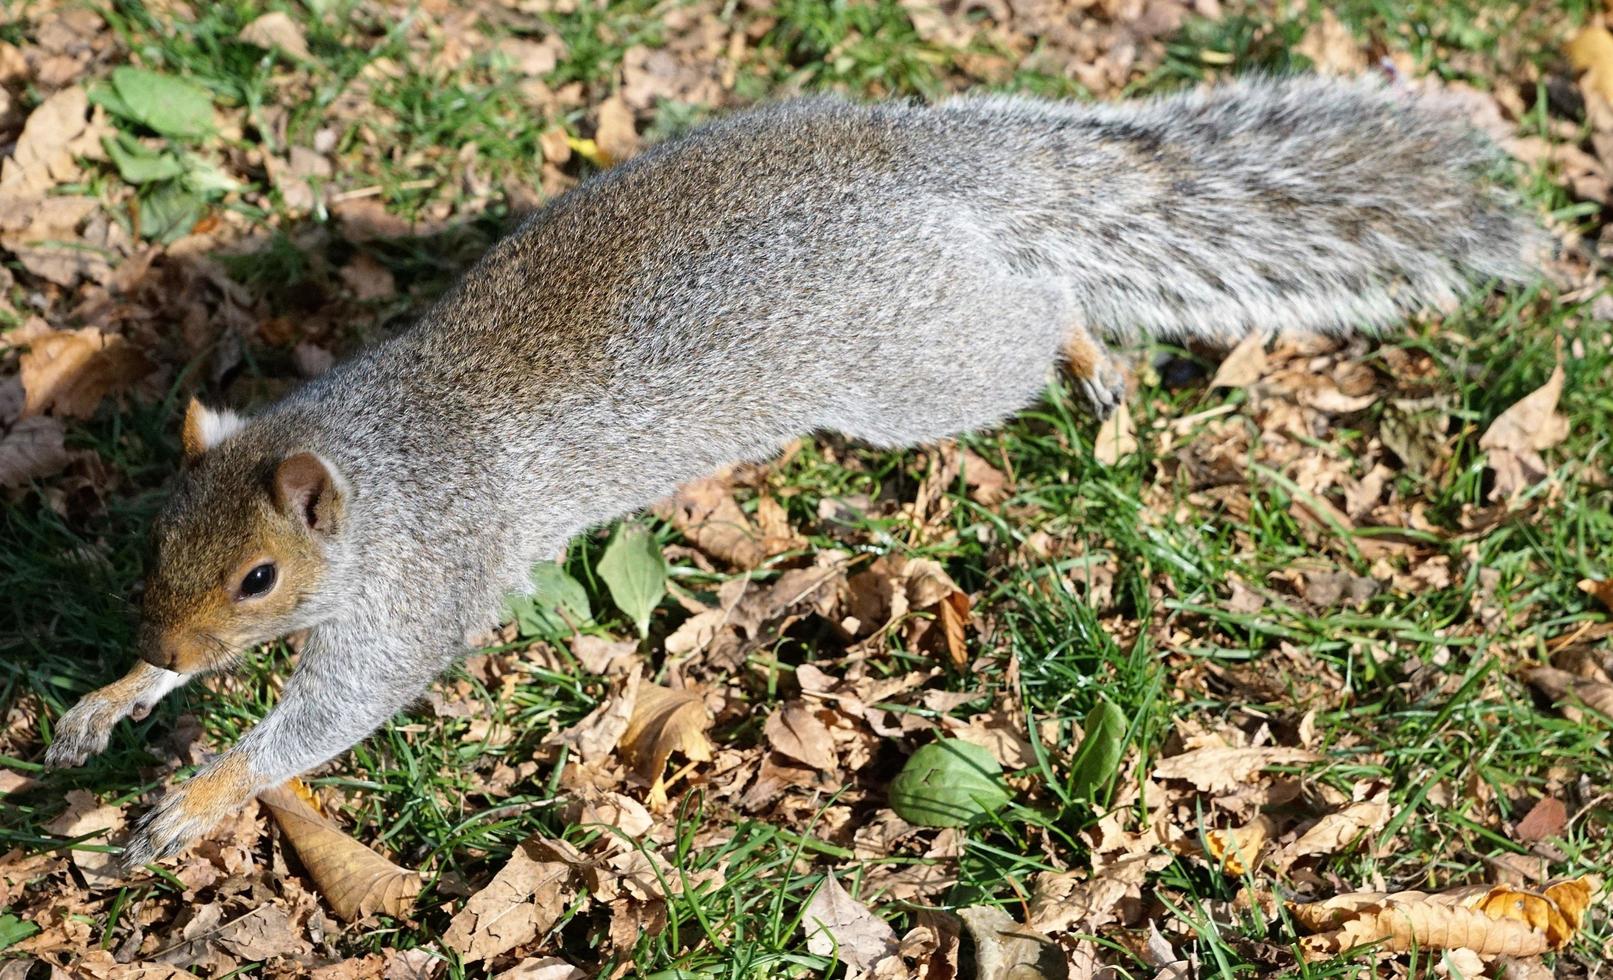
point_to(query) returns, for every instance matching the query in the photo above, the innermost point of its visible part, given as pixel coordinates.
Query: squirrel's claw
(1104, 389)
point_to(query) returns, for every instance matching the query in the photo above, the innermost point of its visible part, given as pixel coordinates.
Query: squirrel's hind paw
(1104, 389)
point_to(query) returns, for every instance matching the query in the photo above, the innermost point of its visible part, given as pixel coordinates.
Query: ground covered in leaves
(1301, 663)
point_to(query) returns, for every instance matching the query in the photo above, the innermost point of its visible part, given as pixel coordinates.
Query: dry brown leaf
(1544, 820)
(1006, 950)
(1495, 921)
(1572, 693)
(68, 372)
(840, 926)
(523, 900)
(1591, 51)
(368, 279)
(705, 512)
(541, 968)
(58, 130)
(1218, 769)
(86, 817)
(1336, 831)
(1116, 438)
(1238, 850)
(1599, 589)
(664, 721)
(1244, 365)
(32, 449)
(616, 134)
(795, 730)
(954, 613)
(1331, 47)
(277, 31)
(1517, 436)
(355, 880)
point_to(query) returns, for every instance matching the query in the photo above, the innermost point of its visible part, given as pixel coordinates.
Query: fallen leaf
(1591, 51)
(355, 880)
(524, 899)
(277, 31)
(1517, 436)
(56, 132)
(32, 449)
(664, 721)
(1544, 820)
(838, 925)
(1117, 437)
(68, 372)
(1331, 47)
(1218, 769)
(86, 817)
(1236, 851)
(1599, 589)
(368, 278)
(1244, 365)
(1336, 831)
(705, 513)
(795, 730)
(544, 968)
(954, 614)
(616, 135)
(1006, 950)
(1495, 921)
(1573, 694)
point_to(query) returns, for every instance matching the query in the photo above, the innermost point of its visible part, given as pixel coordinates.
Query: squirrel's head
(242, 546)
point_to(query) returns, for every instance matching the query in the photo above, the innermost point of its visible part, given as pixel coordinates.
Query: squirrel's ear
(309, 489)
(204, 428)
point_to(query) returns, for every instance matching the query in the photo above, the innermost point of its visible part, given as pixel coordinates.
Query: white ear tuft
(205, 428)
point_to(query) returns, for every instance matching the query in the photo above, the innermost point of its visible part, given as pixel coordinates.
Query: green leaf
(1098, 758)
(168, 211)
(171, 106)
(13, 929)
(635, 573)
(138, 163)
(556, 606)
(948, 784)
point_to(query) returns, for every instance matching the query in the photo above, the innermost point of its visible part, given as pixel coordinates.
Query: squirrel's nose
(159, 650)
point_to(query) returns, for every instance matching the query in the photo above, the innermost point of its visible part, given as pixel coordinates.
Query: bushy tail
(1304, 203)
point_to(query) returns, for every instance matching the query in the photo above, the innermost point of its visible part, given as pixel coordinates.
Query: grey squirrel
(894, 272)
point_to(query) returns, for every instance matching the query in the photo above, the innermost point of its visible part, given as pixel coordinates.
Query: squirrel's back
(901, 272)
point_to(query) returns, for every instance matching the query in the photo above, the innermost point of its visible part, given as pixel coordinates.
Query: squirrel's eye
(258, 581)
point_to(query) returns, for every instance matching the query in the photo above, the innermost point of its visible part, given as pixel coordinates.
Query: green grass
(1411, 689)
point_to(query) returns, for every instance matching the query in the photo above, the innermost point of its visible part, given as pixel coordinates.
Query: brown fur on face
(194, 616)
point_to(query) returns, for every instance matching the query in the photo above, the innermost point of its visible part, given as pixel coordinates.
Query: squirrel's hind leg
(1098, 374)
(83, 731)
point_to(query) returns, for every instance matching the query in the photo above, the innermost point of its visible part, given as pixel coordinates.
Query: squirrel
(896, 272)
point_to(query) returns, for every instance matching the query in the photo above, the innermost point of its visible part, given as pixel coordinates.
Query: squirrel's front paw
(83, 732)
(188, 811)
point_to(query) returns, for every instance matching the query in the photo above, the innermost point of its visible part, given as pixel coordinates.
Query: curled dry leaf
(664, 721)
(706, 513)
(1494, 921)
(840, 926)
(1218, 769)
(1599, 589)
(355, 880)
(796, 731)
(954, 613)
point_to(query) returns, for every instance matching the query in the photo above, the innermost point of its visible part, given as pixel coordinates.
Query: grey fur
(894, 272)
